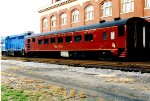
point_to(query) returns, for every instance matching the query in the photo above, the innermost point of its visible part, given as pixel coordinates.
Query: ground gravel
(97, 84)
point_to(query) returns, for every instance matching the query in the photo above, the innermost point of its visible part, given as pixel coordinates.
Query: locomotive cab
(137, 37)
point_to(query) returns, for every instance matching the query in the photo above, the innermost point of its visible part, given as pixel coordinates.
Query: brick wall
(139, 11)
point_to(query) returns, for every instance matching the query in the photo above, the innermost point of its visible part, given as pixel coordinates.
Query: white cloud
(17, 16)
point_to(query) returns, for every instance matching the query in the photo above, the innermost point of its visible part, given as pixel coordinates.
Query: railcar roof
(87, 27)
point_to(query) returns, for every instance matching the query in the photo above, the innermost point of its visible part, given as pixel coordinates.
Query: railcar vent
(102, 21)
(117, 18)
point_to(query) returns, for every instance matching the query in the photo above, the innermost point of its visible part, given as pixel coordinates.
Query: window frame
(63, 18)
(86, 37)
(89, 11)
(105, 6)
(40, 41)
(53, 21)
(75, 16)
(147, 4)
(125, 4)
(53, 40)
(46, 41)
(66, 39)
(45, 23)
(75, 37)
(104, 36)
(60, 41)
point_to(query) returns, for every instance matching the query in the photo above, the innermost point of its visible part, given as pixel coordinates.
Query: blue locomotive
(14, 44)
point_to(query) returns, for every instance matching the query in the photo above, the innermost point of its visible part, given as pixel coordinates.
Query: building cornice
(55, 5)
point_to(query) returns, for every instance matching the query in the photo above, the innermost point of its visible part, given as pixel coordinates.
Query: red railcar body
(102, 40)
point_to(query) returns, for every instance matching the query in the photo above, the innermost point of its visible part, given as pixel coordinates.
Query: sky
(17, 16)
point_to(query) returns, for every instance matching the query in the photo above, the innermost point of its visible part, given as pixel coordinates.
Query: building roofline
(55, 5)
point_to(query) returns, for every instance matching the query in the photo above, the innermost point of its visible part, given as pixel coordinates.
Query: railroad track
(143, 67)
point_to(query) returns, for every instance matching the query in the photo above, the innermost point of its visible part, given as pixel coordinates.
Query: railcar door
(136, 37)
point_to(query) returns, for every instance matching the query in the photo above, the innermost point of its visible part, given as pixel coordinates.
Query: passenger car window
(60, 39)
(104, 36)
(52, 40)
(45, 41)
(28, 40)
(77, 38)
(68, 38)
(39, 42)
(33, 39)
(88, 37)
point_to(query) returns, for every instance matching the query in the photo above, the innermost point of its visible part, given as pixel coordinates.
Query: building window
(63, 19)
(89, 12)
(127, 6)
(107, 9)
(45, 24)
(53, 21)
(75, 16)
(147, 3)
(88, 37)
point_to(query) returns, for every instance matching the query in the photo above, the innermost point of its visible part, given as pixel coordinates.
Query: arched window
(89, 10)
(107, 8)
(45, 24)
(75, 16)
(147, 3)
(63, 19)
(53, 21)
(127, 6)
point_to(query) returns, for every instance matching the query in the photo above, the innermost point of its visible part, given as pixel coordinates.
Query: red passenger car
(121, 38)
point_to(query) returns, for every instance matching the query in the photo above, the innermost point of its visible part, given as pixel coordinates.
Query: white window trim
(64, 17)
(104, 8)
(146, 7)
(53, 19)
(44, 23)
(89, 9)
(77, 17)
(126, 8)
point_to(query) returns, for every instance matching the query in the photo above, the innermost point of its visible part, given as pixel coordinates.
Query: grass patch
(10, 94)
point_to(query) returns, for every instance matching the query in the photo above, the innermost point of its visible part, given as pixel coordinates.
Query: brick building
(62, 14)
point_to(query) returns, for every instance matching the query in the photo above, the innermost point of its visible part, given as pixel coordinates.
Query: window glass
(68, 38)
(107, 9)
(45, 23)
(39, 42)
(89, 12)
(88, 37)
(60, 39)
(53, 21)
(147, 3)
(52, 40)
(120, 30)
(33, 39)
(104, 36)
(75, 16)
(112, 35)
(63, 19)
(127, 5)
(28, 40)
(77, 38)
(45, 41)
